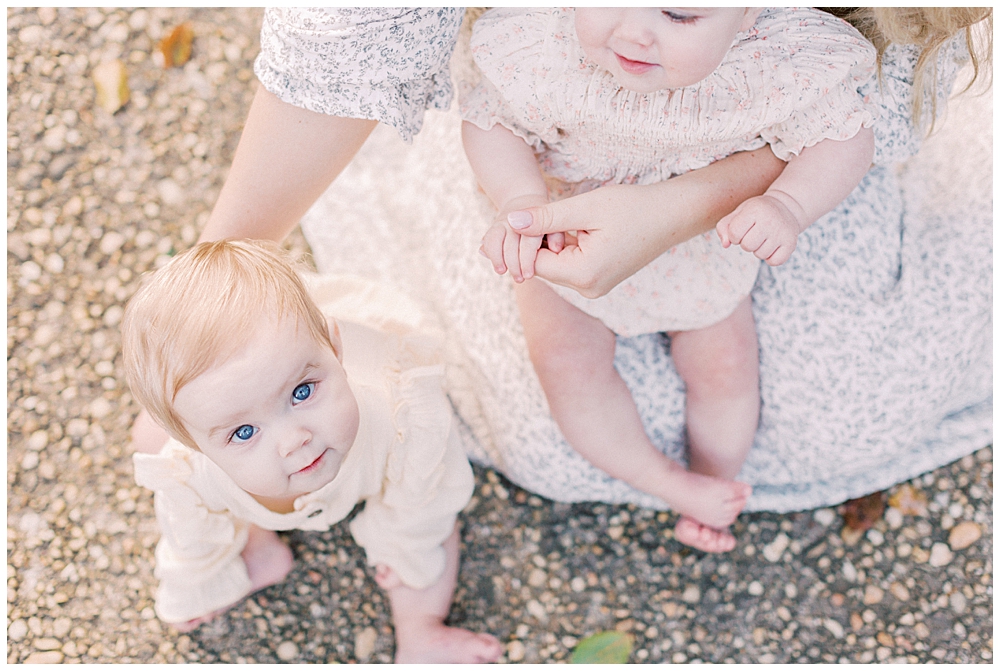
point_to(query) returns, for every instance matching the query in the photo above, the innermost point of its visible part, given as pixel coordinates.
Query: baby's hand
(509, 250)
(766, 226)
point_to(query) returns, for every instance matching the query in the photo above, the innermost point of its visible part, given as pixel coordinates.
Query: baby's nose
(295, 439)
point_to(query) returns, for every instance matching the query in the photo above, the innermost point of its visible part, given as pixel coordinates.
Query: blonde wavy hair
(202, 308)
(930, 28)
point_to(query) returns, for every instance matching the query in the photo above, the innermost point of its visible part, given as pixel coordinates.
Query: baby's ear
(750, 17)
(334, 331)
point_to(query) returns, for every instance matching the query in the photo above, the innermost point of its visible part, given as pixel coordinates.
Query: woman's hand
(622, 228)
(509, 250)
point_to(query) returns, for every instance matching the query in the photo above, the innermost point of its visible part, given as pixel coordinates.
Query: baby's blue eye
(302, 392)
(244, 433)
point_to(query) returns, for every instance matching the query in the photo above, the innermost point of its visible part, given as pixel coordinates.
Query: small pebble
(825, 516)
(940, 555)
(834, 627)
(515, 651)
(287, 651)
(17, 629)
(364, 644)
(755, 588)
(963, 535)
(691, 594)
(899, 591)
(873, 595)
(773, 550)
(47, 657)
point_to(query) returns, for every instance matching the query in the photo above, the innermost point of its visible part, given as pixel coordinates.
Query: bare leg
(719, 366)
(268, 561)
(573, 354)
(418, 616)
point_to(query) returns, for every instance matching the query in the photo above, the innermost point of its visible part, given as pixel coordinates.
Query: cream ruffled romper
(790, 81)
(407, 464)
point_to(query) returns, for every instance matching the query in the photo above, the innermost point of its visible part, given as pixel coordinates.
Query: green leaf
(607, 647)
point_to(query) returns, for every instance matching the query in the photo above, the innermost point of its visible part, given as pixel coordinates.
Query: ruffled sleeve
(427, 482)
(198, 559)
(824, 62)
(387, 64)
(511, 49)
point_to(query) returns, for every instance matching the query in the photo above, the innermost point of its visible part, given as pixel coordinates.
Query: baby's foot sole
(450, 645)
(701, 537)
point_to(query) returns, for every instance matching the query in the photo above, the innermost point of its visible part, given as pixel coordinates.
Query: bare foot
(707, 539)
(268, 561)
(440, 644)
(711, 501)
(148, 437)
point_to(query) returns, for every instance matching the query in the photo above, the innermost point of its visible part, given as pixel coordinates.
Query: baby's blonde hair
(202, 308)
(930, 28)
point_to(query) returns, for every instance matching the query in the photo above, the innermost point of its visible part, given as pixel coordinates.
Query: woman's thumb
(534, 221)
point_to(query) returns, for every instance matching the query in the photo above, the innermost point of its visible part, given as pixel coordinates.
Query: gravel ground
(94, 200)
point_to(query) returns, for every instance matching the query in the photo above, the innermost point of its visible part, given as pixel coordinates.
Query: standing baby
(636, 95)
(227, 351)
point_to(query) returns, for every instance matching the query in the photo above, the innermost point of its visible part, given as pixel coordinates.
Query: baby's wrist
(799, 215)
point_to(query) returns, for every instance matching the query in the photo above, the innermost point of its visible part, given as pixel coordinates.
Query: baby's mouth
(313, 466)
(633, 67)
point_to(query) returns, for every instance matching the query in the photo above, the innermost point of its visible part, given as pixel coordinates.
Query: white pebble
(38, 440)
(170, 192)
(17, 630)
(578, 584)
(111, 242)
(834, 627)
(773, 550)
(691, 594)
(537, 610)
(113, 315)
(957, 602)
(31, 34)
(54, 264)
(850, 573)
(825, 516)
(940, 555)
(30, 271)
(29, 461)
(287, 651)
(755, 588)
(38, 237)
(515, 651)
(364, 644)
(77, 427)
(100, 407)
(893, 517)
(875, 537)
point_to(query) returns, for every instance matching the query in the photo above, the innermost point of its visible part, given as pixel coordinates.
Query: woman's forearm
(286, 158)
(626, 227)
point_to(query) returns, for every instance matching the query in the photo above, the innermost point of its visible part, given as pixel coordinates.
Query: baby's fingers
(556, 242)
(511, 255)
(529, 250)
(493, 246)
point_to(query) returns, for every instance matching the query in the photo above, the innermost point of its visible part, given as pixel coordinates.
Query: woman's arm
(286, 158)
(623, 228)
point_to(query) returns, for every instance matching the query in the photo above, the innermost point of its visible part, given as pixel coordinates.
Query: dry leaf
(111, 82)
(861, 514)
(909, 500)
(176, 47)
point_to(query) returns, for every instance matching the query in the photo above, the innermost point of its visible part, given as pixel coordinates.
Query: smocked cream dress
(407, 465)
(875, 337)
(790, 81)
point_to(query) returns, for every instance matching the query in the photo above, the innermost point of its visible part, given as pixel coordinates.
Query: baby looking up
(227, 351)
(636, 95)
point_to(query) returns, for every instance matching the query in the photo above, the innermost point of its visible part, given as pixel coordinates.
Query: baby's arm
(812, 184)
(508, 172)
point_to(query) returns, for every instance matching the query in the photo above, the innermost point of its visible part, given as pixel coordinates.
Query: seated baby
(227, 351)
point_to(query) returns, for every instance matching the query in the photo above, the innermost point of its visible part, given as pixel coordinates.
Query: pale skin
(275, 423)
(573, 353)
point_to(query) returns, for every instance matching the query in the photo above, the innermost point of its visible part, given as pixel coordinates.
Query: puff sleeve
(825, 62)
(510, 49)
(387, 64)
(426, 484)
(198, 559)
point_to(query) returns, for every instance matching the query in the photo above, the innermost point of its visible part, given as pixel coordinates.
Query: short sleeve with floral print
(387, 64)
